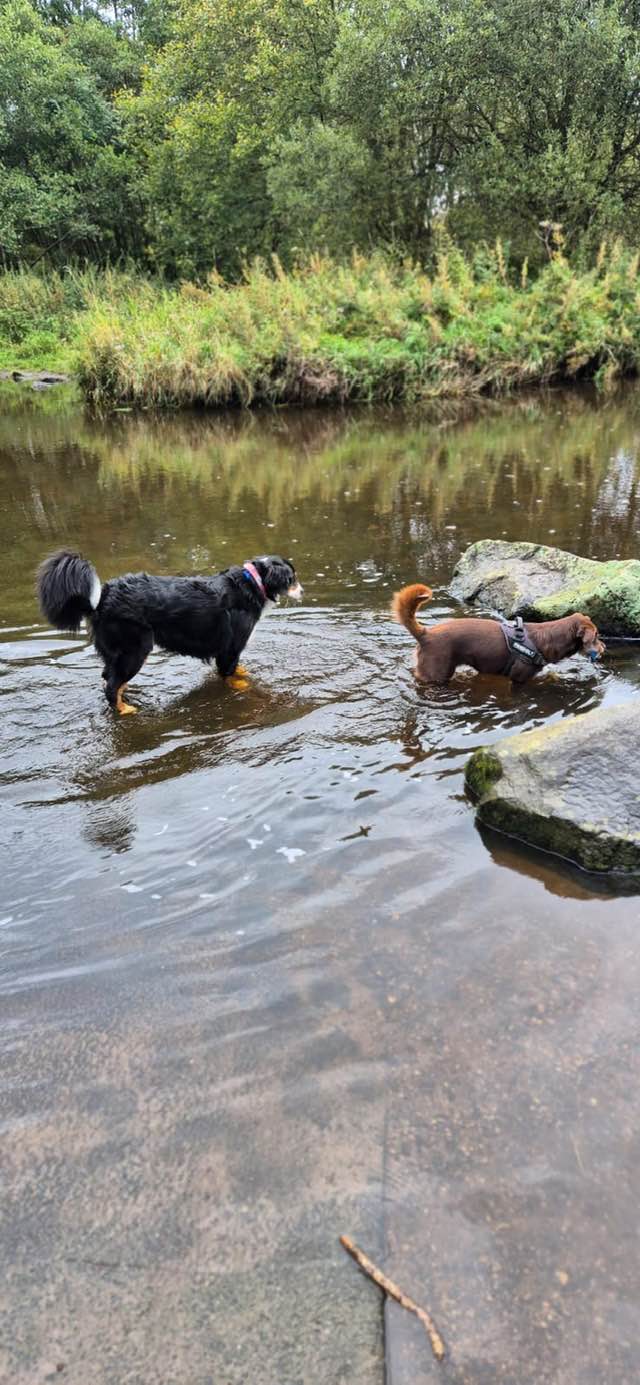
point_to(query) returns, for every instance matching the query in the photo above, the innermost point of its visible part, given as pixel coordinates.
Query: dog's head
(587, 638)
(278, 577)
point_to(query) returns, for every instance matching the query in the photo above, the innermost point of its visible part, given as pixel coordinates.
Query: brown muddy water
(262, 981)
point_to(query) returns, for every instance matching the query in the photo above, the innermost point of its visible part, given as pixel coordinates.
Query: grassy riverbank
(42, 314)
(363, 331)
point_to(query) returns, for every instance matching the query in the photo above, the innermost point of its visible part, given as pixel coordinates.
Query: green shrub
(366, 330)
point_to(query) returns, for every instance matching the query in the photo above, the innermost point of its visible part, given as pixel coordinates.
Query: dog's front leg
(239, 684)
(233, 673)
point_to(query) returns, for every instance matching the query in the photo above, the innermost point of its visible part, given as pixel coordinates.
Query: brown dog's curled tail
(405, 604)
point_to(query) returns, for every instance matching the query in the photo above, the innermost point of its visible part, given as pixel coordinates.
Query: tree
(64, 173)
(227, 129)
(498, 115)
(235, 77)
(551, 124)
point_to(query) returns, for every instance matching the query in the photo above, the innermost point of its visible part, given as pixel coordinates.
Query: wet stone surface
(570, 788)
(544, 583)
(263, 981)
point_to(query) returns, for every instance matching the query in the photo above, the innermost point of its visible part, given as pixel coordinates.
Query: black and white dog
(209, 618)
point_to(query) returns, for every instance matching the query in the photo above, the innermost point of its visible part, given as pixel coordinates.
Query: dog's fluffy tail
(405, 604)
(68, 589)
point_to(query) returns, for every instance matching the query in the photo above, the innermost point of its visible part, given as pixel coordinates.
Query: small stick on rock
(388, 1287)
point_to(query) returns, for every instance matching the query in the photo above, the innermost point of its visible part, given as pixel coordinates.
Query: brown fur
(481, 643)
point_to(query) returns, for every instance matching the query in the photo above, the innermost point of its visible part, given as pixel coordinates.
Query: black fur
(63, 583)
(209, 618)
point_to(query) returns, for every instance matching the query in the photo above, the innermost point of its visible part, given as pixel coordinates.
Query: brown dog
(483, 644)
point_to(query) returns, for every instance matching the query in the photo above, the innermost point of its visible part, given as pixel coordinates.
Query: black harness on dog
(519, 645)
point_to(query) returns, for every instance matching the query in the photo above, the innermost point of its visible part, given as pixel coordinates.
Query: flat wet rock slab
(512, 1169)
(544, 583)
(570, 788)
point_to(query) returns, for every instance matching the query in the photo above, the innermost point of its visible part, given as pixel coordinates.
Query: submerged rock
(572, 788)
(542, 583)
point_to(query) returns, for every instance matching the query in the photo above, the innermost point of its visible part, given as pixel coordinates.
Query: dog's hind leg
(115, 686)
(122, 668)
(124, 708)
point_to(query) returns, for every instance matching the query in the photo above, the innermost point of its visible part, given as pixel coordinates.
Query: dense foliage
(192, 134)
(361, 329)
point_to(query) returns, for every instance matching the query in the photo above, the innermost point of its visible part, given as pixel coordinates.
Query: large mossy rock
(572, 788)
(541, 583)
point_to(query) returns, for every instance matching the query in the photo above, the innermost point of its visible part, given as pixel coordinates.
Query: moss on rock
(482, 771)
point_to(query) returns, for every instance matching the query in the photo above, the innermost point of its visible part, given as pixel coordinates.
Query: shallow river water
(262, 981)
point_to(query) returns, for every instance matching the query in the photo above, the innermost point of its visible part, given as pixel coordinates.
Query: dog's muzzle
(295, 592)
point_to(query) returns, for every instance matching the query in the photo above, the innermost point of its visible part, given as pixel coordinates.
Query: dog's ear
(587, 636)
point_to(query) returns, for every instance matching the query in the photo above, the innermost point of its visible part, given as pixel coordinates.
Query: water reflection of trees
(290, 457)
(185, 492)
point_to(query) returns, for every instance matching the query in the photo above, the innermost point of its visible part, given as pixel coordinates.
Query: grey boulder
(572, 788)
(542, 583)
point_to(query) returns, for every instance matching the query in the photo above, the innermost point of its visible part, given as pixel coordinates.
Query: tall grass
(367, 330)
(41, 313)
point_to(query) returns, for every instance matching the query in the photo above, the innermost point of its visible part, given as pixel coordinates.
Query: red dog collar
(252, 571)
